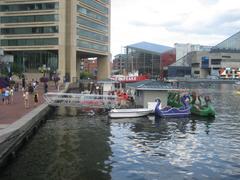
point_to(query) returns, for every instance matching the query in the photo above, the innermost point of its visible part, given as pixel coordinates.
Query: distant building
(145, 58)
(167, 58)
(119, 64)
(222, 60)
(89, 65)
(183, 49)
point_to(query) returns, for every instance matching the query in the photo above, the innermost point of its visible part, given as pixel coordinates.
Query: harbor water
(76, 146)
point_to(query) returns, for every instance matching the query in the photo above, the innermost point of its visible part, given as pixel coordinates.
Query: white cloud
(166, 22)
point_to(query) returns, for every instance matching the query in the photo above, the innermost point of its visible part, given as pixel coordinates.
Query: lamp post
(44, 69)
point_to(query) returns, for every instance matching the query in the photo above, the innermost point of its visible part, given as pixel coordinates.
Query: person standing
(26, 99)
(45, 87)
(23, 82)
(35, 98)
(11, 94)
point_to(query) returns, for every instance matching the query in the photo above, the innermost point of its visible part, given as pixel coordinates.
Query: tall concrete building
(57, 34)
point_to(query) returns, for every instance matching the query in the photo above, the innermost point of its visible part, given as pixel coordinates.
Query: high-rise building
(56, 34)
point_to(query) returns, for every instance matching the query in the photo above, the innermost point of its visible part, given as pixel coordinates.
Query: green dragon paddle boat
(174, 100)
(205, 110)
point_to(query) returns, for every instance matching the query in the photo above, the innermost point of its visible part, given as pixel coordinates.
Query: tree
(86, 75)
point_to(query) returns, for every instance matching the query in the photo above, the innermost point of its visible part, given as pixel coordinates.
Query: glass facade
(94, 4)
(32, 18)
(92, 35)
(30, 61)
(29, 42)
(229, 45)
(144, 62)
(29, 7)
(91, 24)
(29, 30)
(92, 14)
(93, 46)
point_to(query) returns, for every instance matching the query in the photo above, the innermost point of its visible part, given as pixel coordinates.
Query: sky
(165, 22)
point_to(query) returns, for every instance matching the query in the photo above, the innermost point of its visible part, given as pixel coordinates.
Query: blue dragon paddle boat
(174, 112)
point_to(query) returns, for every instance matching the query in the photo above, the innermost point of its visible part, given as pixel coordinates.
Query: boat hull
(128, 113)
(172, 112)
(204, 111)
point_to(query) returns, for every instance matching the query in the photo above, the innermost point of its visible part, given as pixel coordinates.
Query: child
(35, 98)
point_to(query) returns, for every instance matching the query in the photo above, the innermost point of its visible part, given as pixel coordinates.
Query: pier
(17, 123)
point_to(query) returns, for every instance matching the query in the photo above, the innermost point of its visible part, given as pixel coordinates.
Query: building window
(216, 61)
(34, 18)
(196, 72)
(88, 45)
(29, 42)
(29, 30)
(226, 56)
(92, 35)
(96, 5)
(92, 14)
(30, 61)
(28, 7)
(92, 24)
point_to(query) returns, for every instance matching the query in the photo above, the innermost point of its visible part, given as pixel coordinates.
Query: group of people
(124, 98)
(30, 92)
(7, 95)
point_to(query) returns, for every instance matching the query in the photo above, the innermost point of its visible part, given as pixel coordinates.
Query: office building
(57, 34)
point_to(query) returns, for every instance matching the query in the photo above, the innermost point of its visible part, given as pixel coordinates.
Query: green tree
(86, 75)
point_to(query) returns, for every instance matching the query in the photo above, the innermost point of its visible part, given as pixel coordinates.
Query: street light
(44, 69)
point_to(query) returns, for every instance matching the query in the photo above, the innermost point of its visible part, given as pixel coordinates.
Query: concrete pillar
(62, 40)
(103, 66)
(78, 63)
(71, 54)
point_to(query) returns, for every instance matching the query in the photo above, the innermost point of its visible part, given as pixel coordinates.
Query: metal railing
(81, 100)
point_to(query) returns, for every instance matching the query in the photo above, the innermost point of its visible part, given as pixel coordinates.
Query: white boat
(129, 113)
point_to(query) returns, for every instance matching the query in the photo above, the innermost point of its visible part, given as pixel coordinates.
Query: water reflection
(76, 146)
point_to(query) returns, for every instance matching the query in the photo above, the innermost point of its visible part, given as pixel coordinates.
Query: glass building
(145, 58)
(56, 33)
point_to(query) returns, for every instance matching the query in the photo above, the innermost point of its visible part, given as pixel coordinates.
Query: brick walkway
(10, 113)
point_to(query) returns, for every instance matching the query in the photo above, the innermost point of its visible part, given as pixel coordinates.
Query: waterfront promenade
(10, 113)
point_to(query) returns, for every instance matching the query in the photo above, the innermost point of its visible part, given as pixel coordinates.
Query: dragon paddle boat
(174, 99)
(174, 112)
(204, 110)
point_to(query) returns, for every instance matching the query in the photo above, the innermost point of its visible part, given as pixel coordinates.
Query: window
(97, 6)
(92, 35)
(29, 42)
(28, 7)
(30, 30)
(216, 61)
(91, 24)
(35, 18)
(88, 45)
(92, 14)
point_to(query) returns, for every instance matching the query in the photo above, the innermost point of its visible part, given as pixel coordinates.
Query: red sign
(122, 78)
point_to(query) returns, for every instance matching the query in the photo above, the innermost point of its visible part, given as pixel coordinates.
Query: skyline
(205, 22)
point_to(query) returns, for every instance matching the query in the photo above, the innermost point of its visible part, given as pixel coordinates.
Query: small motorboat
(129, 113)
(167, 111)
